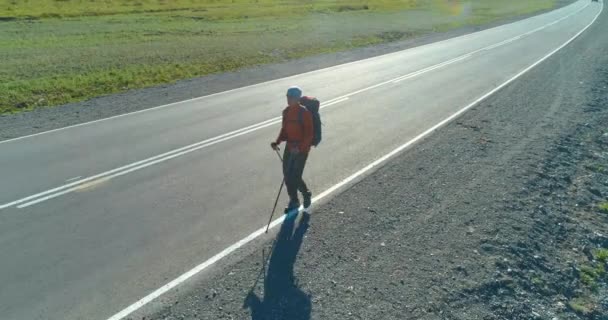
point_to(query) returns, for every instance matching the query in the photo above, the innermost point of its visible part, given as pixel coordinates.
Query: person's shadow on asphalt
(282, 299)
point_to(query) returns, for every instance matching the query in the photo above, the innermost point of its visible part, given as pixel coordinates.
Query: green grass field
(59, 51)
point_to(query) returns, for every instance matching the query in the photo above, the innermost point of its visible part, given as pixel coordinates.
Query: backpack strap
(301, 116)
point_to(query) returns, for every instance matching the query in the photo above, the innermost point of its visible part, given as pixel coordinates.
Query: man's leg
(290, 181)
(300, 164)
(302, 187)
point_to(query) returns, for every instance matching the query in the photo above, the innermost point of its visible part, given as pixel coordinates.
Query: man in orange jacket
(297, 131)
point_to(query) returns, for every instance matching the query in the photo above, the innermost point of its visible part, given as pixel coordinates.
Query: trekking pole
(278, 195)
(264, 263)
(279, 155)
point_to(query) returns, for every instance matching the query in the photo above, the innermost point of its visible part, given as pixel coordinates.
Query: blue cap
(294, 92)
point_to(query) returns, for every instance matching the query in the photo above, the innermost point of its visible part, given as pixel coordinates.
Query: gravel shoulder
(495, 216)
(44, 119)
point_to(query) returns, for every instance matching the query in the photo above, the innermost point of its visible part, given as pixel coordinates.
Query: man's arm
(282, 134)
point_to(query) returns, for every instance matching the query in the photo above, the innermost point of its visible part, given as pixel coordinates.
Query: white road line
(184, 277)
(53, 193)
(97, 176)
(159, 160)
(441, 65)
(556, 21)
(72, 179)
(279, 79)
(502, 43)
(62, 190)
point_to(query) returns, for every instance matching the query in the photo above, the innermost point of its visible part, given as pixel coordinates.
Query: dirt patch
(352, 8)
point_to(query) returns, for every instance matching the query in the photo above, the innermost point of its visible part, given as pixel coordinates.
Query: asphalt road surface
(94, 217)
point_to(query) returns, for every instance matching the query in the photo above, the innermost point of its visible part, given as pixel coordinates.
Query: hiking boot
(293, 205)
(307, 199)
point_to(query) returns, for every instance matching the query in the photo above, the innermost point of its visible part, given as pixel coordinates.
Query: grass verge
(60, 51)
(592, 275)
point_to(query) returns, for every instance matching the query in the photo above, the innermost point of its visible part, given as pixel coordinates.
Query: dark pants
(293, 168)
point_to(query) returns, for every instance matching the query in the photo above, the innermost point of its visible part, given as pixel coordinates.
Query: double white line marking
(104, 176)
(76, 185)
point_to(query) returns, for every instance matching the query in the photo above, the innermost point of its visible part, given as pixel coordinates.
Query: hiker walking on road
(298, 131)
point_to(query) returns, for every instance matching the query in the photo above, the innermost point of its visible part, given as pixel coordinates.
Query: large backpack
(312, 104)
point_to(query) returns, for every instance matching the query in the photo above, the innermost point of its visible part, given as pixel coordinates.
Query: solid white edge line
(254, 127)
(160, 291)
(284, 78)
(184, 277)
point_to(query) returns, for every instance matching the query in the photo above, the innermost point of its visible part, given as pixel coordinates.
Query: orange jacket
(297, 128)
